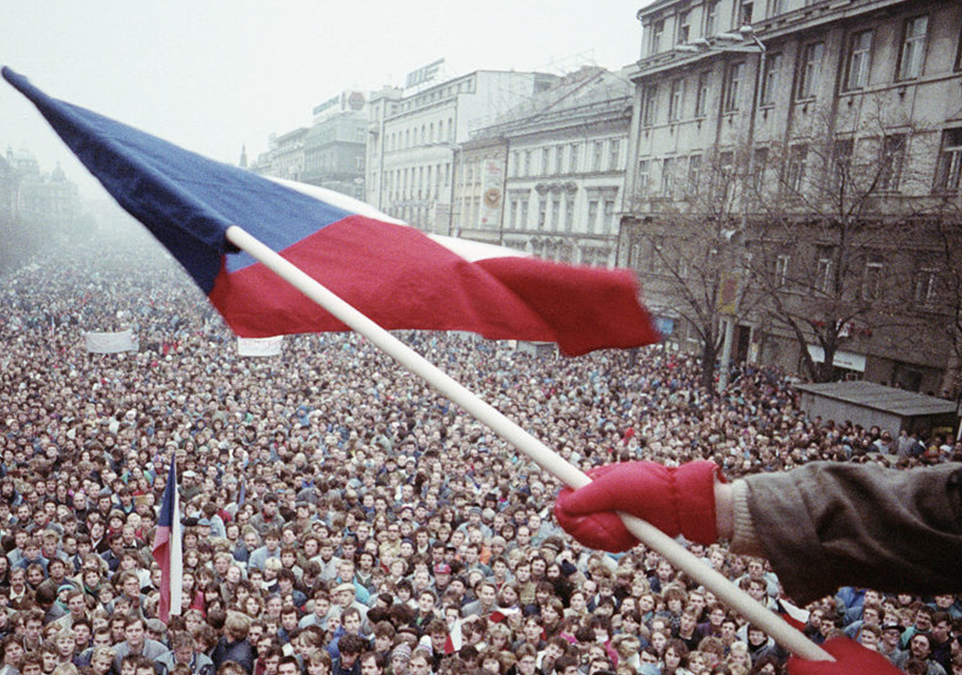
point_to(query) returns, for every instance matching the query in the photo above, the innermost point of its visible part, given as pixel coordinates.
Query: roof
(587, 87)
(880, 397)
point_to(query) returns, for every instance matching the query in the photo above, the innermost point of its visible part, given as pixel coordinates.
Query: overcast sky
(211, 75)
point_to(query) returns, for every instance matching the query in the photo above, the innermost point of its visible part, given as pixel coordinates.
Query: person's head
(13, 651)
(135, 632)
(420, 663)
(102, 660)
(923, 619)
(350, 647)
(372, 663)
(941, 627)
(31, 663)
(756, 636)
(287, 665)
(236, 626)
(318, 662)
(351, 621)
(869, 636)
(920, 646)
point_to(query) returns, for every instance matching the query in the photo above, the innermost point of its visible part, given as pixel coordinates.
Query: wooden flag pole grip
(534, 449)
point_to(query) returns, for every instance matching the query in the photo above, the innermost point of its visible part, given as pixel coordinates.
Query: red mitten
(851, 658)
(675, 500)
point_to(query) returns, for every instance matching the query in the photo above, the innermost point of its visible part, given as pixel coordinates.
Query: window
(512, 213)
(872, 280)
(542, 212)
(523, 218)
(775, 7)
(657, 29)
(759, 168)
(694, 172)
(824, 278)
(913, 47)
(781, 270)
(958, 53)
(569, 214)
(797, 157)
(891, 161)
(527, 163)
(675, 99)
(545, 161)
(614, 154)
(555, 213)
(592, 215)
(770, 73)
(859, 60)
(559, 159)
(743, 16)
(925, 286)
(650, 111)
(641, 181)
(733, 82)
(599, 153)
(573, 159)
(684, 27)
(609, 226)
(668, 176)
(701, 96)
(711, 17)
(515, 164)
(950, 160)
(809, 70)
(842, 162)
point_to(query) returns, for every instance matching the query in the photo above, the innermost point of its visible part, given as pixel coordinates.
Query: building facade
(804, 156)
(34, 206)
(330, 153)
(415, 137)
(562, 160)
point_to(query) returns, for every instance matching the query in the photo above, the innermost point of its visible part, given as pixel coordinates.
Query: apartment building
(766, 138)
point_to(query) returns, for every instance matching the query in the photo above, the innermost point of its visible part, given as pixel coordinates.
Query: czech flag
(168, 551)
(395, 274)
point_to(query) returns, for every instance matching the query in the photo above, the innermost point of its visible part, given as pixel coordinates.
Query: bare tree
(833, 216)
(688, 249)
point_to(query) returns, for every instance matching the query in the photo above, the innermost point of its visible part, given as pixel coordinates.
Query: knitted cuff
(744, 539)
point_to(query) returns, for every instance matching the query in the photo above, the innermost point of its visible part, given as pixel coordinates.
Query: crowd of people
(341, 517)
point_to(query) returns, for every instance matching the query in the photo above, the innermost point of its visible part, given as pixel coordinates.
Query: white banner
(269, 346)
(111, 343)
(842, 359)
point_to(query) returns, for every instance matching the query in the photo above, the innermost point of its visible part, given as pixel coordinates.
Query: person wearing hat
(400, 657)
(442, 577)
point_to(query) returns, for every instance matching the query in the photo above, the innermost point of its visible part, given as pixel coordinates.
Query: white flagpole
(675, 553)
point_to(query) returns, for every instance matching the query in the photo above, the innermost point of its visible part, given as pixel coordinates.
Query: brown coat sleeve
(829, 524)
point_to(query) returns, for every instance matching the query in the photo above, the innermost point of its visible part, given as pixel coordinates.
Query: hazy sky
(211, 75)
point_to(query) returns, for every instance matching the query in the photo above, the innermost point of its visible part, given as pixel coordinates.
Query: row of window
(884, 175)
(603, 155)
(924, 290)
(551, 217)
(809, 73)
(404, 183)
(424, 134)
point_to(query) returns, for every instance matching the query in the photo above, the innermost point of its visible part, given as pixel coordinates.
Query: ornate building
(562, 157)
(805, 156)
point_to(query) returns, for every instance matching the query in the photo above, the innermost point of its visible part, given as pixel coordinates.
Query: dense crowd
(341, 517)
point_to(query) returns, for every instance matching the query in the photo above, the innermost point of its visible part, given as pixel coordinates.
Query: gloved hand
(675, 500)
(851, 658)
